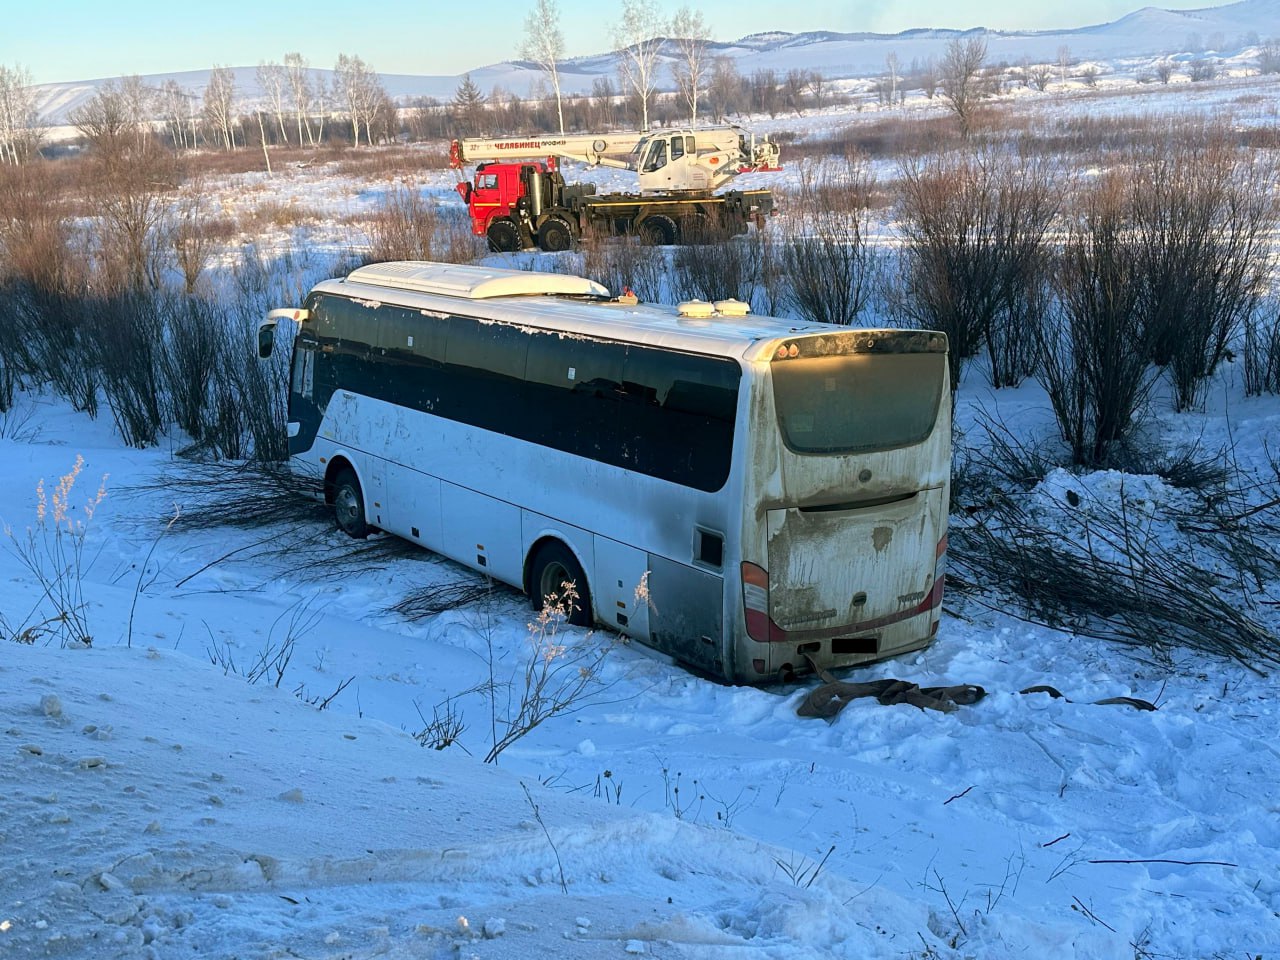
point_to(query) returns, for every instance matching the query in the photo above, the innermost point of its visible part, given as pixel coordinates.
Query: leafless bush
(409, 225)
(1262, 352)
(626, 263)
(1202, 69)
(830, 269)
(450, 595)
(713, 265)
(43, 273)
(194, 235)
(195, 351)
(557, 676)
(444, 729)
(975, 258)
(1092, 361)
(1204, 216)
(1098, 572)
(404, 226)
(124, 340)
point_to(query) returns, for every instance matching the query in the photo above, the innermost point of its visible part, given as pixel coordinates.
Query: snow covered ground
(156, 806)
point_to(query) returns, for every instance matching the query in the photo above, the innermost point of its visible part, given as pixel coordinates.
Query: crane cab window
(677, 148)
(657, 158)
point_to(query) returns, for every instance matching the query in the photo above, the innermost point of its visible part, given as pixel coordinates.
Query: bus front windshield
(857, 403)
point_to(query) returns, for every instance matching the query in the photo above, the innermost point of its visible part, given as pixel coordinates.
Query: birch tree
(692, 37)
(638, 40)
(273, 80)
(544, 45)
(18, 138)
(298, 73)
(219, 105)
(358, 89)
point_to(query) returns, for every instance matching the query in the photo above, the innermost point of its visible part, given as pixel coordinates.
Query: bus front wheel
(553, 567)
(348, 505)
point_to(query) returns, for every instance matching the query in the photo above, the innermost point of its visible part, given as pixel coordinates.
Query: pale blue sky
(65, 40)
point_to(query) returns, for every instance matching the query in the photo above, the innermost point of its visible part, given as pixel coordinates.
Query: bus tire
(554, 565)
(504, 236)
(554, 235)
(659, 230)
(348, 504)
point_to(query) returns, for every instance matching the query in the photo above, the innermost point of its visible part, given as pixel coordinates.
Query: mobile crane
(519, 202)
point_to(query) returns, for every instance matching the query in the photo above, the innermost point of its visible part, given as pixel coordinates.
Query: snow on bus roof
(531, 299)
(474, 283)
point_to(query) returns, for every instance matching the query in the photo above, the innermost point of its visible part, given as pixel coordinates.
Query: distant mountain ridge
(1147, 32)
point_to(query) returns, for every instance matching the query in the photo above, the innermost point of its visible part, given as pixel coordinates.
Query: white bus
(781, 488)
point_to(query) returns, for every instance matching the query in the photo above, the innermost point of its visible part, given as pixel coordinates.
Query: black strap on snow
(832, 695)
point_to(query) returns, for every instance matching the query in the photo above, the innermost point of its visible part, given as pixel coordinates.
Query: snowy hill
(1148, 32)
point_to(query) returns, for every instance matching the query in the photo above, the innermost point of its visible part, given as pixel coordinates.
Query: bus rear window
(857, 403)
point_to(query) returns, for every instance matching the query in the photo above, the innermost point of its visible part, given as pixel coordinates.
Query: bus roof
(572, 305)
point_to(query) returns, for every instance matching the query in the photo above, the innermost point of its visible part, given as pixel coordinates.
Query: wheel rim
(554, 576)
(347, 506)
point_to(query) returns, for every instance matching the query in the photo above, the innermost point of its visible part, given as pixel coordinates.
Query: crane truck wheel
(554, 235)
(659, 230)
(504, 236)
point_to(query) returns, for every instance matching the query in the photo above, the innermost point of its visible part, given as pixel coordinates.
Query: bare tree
(818, 89)
(104, 121)
(892, 65)
(360, 92)
(959, 75)
(928, 77)
(794, 85)
(1269, 56)
(298, 74)
(1040, 76)
(637, 37)
(725, 92)
(1164, 70)
(691, 36)
(273, 80)
(219, 105)
(1202, 68)
(544, 45)
(19, 138)
(1064, 62)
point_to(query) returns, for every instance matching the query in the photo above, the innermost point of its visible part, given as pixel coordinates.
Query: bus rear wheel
(348, 505)
(554, 566)
(504, 236)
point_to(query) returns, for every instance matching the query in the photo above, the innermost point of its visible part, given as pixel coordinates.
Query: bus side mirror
(266, 337)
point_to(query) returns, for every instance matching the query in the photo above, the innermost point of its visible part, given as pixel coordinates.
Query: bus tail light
(755, 601)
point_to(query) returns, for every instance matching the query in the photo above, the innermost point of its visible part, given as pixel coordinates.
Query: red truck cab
(496, 191)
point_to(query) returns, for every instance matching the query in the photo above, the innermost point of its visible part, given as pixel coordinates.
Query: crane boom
(671, 161)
